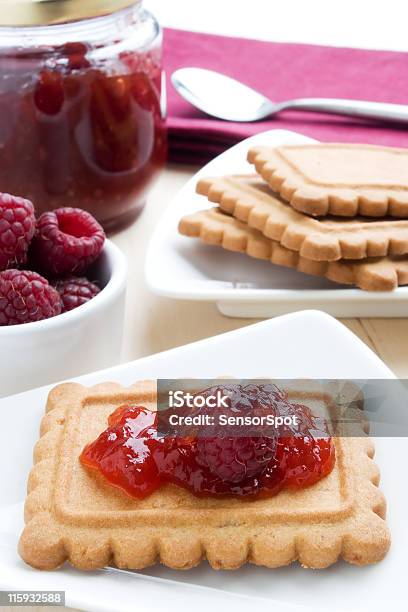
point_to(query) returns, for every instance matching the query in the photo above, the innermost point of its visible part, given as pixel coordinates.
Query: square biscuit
(337, 179)
(213, 226)
(249, 199)
(71, 514)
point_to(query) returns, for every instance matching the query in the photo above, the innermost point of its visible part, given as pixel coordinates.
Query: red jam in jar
(132, 456)
(81, 121)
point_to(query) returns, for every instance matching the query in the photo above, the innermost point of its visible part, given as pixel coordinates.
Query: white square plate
(179, 267)
(306, 344)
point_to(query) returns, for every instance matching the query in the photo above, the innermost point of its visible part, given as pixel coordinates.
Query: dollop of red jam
(131, 454)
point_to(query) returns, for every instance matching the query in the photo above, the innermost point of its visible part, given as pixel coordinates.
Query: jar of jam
(81, 118)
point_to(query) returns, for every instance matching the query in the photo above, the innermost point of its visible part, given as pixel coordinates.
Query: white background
(376, 24)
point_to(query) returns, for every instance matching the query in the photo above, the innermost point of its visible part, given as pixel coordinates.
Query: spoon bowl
(220, 96)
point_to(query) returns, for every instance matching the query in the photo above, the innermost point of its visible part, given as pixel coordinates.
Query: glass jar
(81, 121)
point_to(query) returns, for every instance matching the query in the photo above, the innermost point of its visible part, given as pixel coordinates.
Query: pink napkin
(282, 71)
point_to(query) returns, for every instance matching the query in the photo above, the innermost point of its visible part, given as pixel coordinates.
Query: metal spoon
(220, 96)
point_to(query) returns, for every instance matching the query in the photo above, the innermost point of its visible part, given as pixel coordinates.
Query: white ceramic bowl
(76, 342)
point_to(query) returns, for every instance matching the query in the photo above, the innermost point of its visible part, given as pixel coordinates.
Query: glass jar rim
(23, 13)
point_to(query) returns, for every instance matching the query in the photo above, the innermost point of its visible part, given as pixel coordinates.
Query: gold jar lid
(47, 12)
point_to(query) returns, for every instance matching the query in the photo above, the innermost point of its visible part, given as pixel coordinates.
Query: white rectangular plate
(306, 344)
(179, 267)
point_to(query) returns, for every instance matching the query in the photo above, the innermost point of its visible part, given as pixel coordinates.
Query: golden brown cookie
(215, 227)
(71, 515)
(338, 179)
(250, 200)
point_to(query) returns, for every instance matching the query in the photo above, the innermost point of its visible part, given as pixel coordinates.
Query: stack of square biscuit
(338, 211)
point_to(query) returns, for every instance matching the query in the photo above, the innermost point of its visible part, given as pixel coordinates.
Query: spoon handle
(396, 113)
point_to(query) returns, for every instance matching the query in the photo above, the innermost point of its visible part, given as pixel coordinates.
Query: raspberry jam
(81, 122)
(131, 455)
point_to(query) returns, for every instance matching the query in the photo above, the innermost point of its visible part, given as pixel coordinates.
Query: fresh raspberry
(26, 296)
(67, 241)
(75, 291)
(234, 459)
(17, 227)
